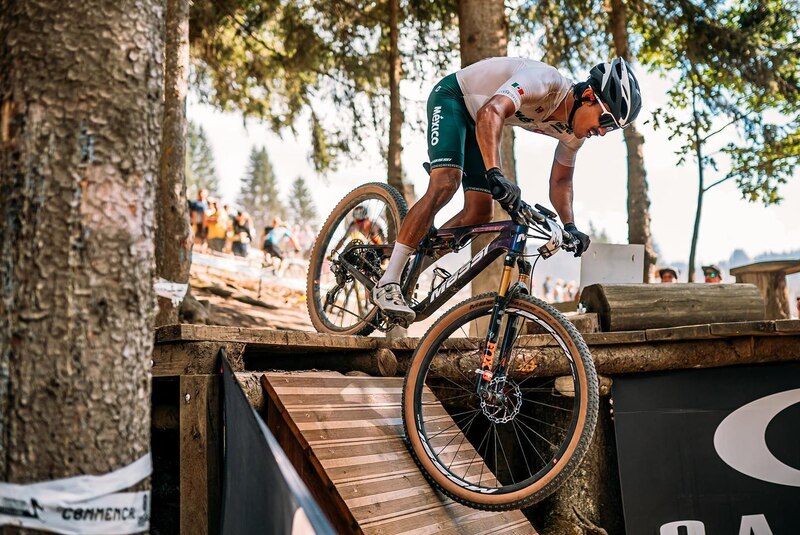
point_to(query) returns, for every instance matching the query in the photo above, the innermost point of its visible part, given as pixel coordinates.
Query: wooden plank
(307, 466)
(353, 438)
(280, 341)
(200, 453)
(742, 328)
(194, 358)
(689, 332)
(620, 337)
(787, 326)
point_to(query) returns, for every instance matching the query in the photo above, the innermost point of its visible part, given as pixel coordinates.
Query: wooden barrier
(186, 397)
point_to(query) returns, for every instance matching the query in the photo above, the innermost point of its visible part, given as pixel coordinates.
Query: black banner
(710, 452)
(262, 493)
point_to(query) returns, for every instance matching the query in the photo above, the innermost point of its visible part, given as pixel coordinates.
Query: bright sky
(728, 222)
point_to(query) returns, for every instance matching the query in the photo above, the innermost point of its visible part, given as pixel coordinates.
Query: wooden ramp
(344, 435)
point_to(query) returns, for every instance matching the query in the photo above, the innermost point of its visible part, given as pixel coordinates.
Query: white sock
(397, 262)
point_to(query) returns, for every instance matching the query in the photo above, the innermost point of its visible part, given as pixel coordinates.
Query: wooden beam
(200, 454)
(279, 340)
(193, 358)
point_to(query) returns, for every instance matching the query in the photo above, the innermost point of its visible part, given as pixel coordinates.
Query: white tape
(171, 290)
(81, 505)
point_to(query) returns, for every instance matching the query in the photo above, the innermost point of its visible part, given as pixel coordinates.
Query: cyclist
(364, 228)
(466, 114)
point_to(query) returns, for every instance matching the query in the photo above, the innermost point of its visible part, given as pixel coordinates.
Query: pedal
(400, 321)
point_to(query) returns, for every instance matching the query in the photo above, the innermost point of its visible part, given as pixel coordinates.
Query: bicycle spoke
(513, 424)
(521, 448)
(543, 422)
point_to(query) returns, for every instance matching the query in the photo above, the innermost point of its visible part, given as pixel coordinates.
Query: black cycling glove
(505, 192)
(583, 240)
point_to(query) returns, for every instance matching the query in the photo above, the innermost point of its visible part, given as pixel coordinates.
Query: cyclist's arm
(561, 191)
(489, 127)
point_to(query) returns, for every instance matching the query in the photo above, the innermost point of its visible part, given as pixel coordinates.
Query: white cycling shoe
(389, 298)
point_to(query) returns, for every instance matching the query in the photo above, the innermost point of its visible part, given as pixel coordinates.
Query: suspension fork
(486, 373)
(498, 311)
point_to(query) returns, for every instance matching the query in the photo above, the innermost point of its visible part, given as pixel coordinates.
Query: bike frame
(511, 238)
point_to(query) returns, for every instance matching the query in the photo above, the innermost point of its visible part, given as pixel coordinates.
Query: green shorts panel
(451, 135)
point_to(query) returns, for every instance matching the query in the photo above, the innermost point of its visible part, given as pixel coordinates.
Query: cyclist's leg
(447, 130)
(478, 203)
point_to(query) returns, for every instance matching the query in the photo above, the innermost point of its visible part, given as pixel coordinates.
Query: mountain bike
(500, 397)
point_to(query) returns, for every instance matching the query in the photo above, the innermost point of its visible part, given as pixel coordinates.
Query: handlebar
(537, 216)
(544, 219)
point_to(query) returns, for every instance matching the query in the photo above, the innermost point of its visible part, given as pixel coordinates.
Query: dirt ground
(240, 299)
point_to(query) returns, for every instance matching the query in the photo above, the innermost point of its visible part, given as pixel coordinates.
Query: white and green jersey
(537, 90)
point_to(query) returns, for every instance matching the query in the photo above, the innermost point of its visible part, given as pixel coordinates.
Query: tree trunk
(483, 31)
(80, 101)
(173, 233)
(395, 169)
(638, 200)
(698, 145)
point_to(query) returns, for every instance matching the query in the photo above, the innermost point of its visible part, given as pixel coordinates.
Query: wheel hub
(503, 400)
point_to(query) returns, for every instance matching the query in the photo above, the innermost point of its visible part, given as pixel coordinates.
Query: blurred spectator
(197, 216)
(304, 237)
(217, 226)
(274, 238)
(547, 289)
(559, 291)
(243, 231)
(571, 292)
(712, 273)
(668, 274)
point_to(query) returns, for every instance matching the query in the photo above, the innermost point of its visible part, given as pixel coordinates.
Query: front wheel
(354, 242)
(519, 440)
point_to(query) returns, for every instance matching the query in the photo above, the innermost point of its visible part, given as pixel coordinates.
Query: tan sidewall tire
(497, 501)
(395, 201)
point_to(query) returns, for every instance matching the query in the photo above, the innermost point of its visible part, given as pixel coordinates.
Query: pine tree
(301, 205)
(200, 169)
(259, 190)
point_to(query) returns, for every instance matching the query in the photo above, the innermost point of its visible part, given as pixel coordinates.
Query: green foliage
(571, 33)
(259, 190)
(301, 205)
(285, 60)
(200, 170)
(736, 62)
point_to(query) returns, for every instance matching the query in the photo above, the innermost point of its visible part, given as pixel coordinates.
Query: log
(630, 307)
(251, 386)
(376, 362)
(585, 323)
(540, 359)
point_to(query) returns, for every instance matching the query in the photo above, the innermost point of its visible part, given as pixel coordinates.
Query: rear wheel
(518, 442)
(357, 235)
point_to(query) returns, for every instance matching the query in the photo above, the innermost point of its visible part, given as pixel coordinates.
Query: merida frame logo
(439, 290)
(435, 118)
